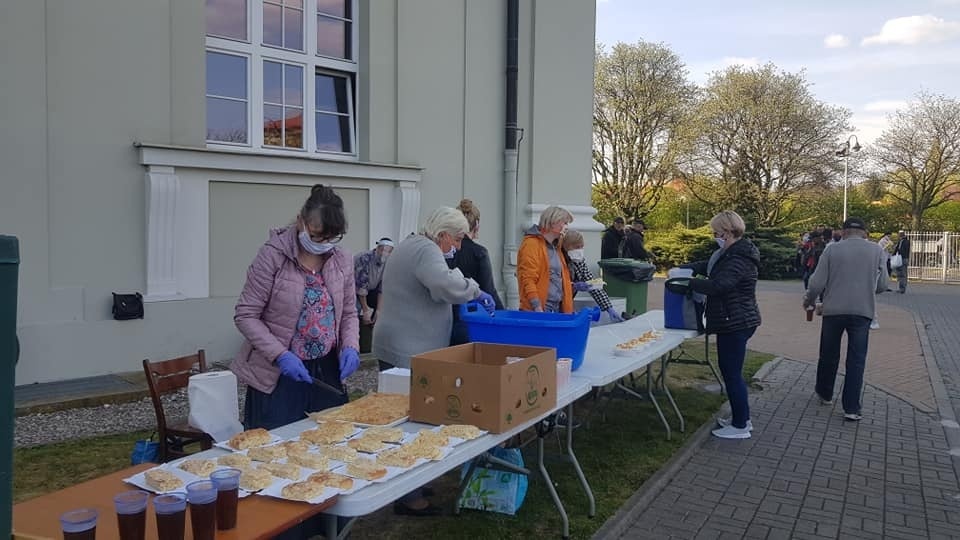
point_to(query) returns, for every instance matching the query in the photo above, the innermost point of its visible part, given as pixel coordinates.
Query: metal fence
(934, 256)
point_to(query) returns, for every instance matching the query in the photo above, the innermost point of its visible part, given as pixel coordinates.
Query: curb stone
(618, 523)
(948, 418)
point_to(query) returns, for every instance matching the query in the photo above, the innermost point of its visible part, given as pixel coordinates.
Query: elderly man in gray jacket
(847, 277)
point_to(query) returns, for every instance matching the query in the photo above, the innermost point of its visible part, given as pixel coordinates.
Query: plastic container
(628, 278)
(567, 333)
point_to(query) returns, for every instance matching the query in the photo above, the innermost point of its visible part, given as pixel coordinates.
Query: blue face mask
(721, 242)
(451, 253)
(317, 248)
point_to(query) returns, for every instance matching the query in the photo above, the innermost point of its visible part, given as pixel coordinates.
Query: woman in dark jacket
(732, 312)
(473, 260)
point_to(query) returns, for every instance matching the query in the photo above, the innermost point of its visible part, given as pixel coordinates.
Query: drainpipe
(510, 161)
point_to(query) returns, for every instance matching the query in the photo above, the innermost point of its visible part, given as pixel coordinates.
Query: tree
(762, 141)
(641, 101)
(920, 153)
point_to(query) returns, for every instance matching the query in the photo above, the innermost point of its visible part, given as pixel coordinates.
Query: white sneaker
(724, 422)
(853, 417)
(874, 325)
(731, 432)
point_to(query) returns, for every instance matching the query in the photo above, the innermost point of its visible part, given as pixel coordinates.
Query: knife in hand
(326, 386)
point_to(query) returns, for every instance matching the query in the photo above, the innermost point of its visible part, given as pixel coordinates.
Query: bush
(680, 245)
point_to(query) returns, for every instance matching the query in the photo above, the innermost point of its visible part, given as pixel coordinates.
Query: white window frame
(206, 95)
(256, 52)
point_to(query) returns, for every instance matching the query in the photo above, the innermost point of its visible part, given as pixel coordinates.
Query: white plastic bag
(896, 261)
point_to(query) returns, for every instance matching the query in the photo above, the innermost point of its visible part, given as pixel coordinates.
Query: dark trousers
(731, 352)
(291, 399)
(858, 334)
(902, 276)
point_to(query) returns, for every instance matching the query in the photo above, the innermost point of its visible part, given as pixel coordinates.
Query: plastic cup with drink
(171, 511)
(202, 496)
(228, 490)
(79, 524)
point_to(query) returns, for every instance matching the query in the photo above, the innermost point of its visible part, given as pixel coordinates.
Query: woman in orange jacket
(542, 274)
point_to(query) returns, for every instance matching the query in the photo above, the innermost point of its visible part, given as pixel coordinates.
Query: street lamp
(844, 152)
(683, 199)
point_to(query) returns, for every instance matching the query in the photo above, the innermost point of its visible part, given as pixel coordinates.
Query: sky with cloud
(871, 57)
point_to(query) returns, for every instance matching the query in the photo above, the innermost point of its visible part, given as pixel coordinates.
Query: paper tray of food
(304, 490)
(248, 439)
(168, 478)
(375, 409)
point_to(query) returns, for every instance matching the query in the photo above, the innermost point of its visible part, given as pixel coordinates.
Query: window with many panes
(281, 75)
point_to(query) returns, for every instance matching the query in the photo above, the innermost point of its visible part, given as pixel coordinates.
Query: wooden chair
(166, 377)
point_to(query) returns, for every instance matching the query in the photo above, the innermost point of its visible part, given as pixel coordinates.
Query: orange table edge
(257, 517)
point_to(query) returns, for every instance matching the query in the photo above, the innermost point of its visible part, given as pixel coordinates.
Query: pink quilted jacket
(269, 306)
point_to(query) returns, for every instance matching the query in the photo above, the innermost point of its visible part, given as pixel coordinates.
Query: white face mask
(576, 254)
(721, 242)
(451, 253)
(317, 248)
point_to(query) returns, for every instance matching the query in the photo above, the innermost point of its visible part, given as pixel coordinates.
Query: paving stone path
(807, 473)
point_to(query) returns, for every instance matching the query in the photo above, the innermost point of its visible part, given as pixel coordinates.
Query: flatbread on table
(366, 469)
(199, 467)
(375, 409)
(282, 470)
(461, 431)
(331, 479)
(328, 433)
(162, 480)
(249, 439)
(255, 479)
(237, 461)
(267, 454)
(302, 491)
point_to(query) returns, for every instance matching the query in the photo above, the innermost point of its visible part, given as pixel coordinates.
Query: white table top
(601, 366)
(375, 496)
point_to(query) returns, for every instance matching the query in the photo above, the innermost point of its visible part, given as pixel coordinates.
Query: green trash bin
(628, 278)
(9, 351)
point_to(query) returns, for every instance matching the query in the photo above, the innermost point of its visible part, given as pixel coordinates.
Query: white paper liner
(140, 479)
(223, 444)
(276, 489)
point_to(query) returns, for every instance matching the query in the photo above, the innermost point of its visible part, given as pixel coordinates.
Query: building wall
(95, 77)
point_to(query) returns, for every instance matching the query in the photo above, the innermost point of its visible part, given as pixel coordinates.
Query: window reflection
(337, 8)
(226, 120)
(333, 133)
(333, 38)
(227, 18)
(331, 93)
(283, 24)
(226, 98)
(283, 105)
(226, 75)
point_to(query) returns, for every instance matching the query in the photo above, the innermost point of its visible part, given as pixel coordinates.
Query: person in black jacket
(473, 260)
(633, 247)
(612, 237)
(902, 249)
(732, 312)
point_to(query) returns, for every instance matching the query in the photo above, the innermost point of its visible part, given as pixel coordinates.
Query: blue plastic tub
(567, 333)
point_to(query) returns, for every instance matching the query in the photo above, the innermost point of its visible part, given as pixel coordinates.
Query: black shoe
(403, 510)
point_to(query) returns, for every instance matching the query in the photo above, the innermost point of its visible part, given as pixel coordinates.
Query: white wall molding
(178, 205)
(229, 160)
(582, 217)
(163, 190)
(408, 201)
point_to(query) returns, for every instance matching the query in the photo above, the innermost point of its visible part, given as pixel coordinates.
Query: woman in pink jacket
(298, 315)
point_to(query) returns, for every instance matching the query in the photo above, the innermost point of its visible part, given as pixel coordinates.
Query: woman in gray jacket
(419, 288)
(415, 306)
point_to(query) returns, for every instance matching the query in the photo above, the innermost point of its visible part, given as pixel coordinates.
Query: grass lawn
(617, 454)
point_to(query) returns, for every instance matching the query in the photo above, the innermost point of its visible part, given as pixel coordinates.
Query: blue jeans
(858, 334)
(731, 351)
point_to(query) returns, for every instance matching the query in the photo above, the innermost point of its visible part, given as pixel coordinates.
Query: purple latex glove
(486, 301)
(292, 366)
(349, 362)
(614, 316)
(581, 286)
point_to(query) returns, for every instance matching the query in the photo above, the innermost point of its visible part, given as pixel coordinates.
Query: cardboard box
(494, 387)
(394, 381)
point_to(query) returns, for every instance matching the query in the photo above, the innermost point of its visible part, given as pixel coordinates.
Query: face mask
(451, 253)
(721, 242)
(317, 248)
(576, 254)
